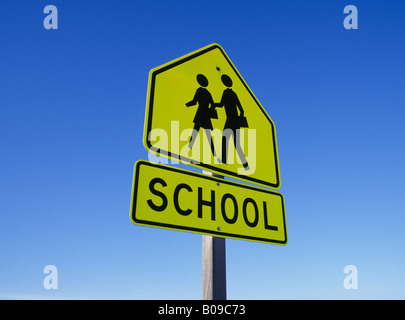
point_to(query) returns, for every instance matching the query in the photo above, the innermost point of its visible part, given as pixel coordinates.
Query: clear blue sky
(72, 106)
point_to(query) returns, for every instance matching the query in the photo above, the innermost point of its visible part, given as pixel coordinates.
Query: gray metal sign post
(213, 264)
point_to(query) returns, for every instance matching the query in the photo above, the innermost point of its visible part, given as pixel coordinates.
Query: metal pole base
(213, 264)
(213, 268)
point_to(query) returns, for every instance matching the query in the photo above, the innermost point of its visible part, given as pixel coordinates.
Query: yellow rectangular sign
(171, 198)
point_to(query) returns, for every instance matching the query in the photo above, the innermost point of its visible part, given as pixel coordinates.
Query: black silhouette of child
(204, 112)
(232, 104)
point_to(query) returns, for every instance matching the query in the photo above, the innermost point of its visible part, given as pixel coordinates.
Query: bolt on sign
(171, 198)
(201, 112)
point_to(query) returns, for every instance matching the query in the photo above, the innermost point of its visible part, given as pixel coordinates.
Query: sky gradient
(72, 108)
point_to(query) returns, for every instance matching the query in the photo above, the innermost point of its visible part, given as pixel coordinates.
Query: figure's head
(226, 80)
(202, 80)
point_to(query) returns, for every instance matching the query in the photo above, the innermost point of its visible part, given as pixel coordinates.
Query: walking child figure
(234, 121)
(205, 111)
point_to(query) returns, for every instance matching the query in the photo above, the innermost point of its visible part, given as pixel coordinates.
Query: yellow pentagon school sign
(201, 112)
(171, 198)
